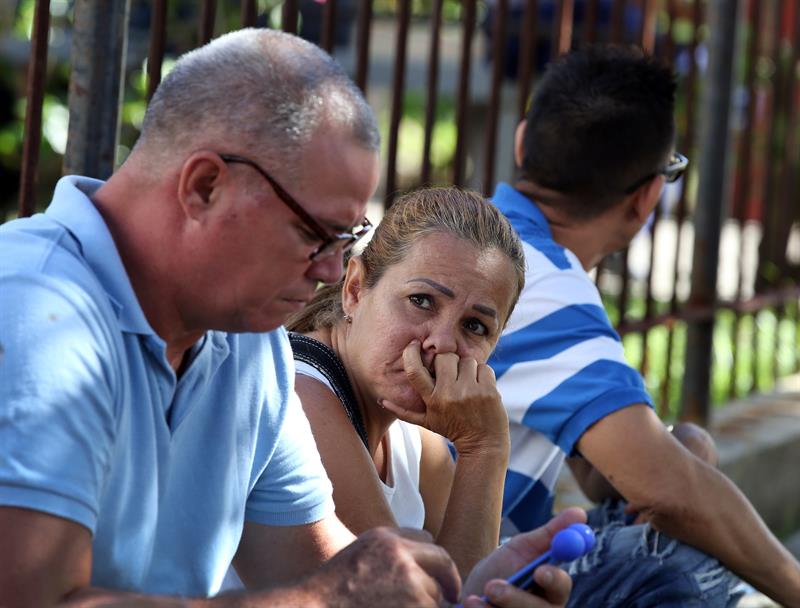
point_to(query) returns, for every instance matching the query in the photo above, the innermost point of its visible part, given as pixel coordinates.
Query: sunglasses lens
(677, 165)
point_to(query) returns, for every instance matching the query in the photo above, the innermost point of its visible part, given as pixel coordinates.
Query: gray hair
(263, 89)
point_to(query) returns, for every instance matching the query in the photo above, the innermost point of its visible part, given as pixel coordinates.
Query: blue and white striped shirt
(560, 365)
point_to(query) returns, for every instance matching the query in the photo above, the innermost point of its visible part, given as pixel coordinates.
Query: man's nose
(328, 269)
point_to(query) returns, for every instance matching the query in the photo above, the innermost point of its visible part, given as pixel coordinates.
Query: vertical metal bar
(648, 297)
(708, 216)
(562, 30)
(527, 54)
(792, 188)
(669, 43)
(328, 38)
(362, 44)
(37, 68)
(741, 188)
(774, 162)
(788, 177)
(205, 28)
(647, 41)
(398, 88)
(617, 21)
(789, 59)
(498, 67)
(155, 56)
(766, 125)
(289, 16)
(796, 332)
(590, 22)
(624, 291)
(99, 44)
(648, 33)
(686, 127)
(249, 13)
(433, 83)
(462, 100)
(617, 35)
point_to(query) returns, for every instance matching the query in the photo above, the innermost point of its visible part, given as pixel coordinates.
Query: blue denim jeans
(635, 566)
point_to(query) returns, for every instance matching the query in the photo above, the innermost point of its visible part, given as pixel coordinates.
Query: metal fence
(707, 296)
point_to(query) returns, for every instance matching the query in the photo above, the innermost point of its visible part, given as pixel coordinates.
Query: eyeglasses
(675, 167)
(331, 243)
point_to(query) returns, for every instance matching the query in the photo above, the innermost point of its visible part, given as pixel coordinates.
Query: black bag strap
(323, 359)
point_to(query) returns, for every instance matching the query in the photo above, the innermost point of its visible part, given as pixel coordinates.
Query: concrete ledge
(759, 445)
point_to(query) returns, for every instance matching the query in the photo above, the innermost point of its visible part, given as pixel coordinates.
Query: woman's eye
(421, 301)
(476, 327)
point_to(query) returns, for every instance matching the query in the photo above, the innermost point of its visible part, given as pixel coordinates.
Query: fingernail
(546, 577)
(496, 590)
(380, 402)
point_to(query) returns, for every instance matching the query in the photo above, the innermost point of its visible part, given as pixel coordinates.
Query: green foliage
(749, 353)
(451, 9)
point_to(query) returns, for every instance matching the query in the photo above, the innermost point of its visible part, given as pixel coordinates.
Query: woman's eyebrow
(491, 312)
(437, 286)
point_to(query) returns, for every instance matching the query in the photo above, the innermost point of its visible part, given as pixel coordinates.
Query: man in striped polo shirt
(593, 155)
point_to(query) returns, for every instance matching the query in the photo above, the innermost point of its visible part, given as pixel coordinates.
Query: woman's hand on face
(462, 401)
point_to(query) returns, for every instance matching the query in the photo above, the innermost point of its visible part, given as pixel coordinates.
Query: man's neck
(586, 239)
(137, 240)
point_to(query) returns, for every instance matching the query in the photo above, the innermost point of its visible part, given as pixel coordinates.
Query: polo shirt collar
(521, 209)
(74, 210)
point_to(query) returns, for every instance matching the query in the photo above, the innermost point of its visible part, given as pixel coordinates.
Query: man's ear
(645, 198)
(519, 144)
(353, 287)
(200, 175)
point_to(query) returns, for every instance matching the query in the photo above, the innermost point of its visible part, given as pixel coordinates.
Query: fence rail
(450, 80)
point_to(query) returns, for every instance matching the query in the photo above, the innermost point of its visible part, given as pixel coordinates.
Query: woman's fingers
(418, 376)
(467, 370)
(417, 418)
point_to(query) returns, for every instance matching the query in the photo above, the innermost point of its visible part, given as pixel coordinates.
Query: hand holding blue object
(567, 544)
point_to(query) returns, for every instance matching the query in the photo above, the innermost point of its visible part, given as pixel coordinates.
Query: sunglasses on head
(672, 171)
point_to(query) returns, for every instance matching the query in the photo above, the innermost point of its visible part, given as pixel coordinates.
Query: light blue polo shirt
(95, 427)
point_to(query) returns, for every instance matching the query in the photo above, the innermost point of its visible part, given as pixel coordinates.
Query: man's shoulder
(39, 256)
(32, 243)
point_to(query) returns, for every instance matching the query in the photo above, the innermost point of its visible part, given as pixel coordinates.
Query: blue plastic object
(586, 532)
(567, 544)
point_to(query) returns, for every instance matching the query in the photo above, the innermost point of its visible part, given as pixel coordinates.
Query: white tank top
(401, 487)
